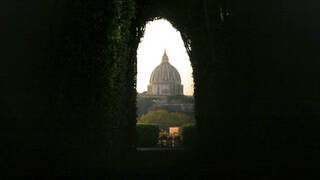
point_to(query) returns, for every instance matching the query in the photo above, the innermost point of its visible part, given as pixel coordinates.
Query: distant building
(165, 91)
(165, 79)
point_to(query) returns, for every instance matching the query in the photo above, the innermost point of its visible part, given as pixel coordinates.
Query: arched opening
(165, 88)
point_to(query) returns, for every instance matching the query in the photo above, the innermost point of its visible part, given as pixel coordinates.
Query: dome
(165, 79)
(165, 72)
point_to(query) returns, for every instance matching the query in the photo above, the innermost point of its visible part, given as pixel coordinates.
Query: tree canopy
(164, 118)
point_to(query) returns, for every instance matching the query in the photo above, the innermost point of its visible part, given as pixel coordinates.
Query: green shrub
(187, 134)
(147, 135)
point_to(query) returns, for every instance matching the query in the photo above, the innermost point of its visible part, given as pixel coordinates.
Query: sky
(160, 35)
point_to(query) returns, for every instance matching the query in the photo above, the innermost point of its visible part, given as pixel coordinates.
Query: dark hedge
(188, 135)
(147, 135)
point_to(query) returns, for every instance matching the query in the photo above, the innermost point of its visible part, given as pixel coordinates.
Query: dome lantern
(165, 57)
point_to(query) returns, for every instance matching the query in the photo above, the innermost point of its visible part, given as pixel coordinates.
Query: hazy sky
(160, 35)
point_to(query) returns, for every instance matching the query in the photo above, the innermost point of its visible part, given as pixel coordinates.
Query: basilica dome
(165, 79)
(165, 72)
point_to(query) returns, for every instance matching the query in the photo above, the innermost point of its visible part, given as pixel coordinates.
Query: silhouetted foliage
(69, 96)
(147, 134)
(188, 135)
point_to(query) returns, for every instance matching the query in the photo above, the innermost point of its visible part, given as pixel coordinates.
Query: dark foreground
(169, 163)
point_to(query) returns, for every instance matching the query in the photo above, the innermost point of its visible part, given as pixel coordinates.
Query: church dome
(165, 72)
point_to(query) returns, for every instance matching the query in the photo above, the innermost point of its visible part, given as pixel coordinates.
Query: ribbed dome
(165, 72)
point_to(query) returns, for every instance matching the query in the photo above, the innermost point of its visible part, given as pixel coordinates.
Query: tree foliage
(164, 118)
